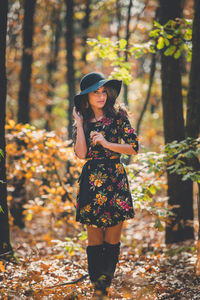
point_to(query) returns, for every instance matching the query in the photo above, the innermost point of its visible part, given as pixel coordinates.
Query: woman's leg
(111, 250)
(95, 235)
(113, 234)
(95, 252)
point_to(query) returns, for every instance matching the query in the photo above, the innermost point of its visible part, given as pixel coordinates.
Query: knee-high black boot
(94, 256)
(110, 260)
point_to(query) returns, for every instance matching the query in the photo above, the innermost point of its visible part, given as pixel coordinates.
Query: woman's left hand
(98, 138)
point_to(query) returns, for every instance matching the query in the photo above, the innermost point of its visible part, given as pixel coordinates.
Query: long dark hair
(110, 109)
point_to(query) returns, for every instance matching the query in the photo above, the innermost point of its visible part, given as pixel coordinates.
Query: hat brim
(114, 83)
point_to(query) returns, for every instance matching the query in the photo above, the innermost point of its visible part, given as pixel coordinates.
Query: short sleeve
(127, 133)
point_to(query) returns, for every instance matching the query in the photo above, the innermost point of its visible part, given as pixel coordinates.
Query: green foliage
(116, 52)
(183, 158)
(147, 179)
(105, 48)
(73, 244)
(174, 37)
(148, 175)
(180, 249)
(1, 154)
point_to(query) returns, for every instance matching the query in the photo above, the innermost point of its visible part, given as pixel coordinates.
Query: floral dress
(103, 197)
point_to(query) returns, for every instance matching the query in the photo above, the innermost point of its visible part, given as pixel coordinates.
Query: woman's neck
(98, 114)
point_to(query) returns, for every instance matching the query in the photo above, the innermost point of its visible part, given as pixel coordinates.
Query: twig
(66, 283)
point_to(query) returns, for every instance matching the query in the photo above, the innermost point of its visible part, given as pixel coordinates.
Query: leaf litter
(49, 263)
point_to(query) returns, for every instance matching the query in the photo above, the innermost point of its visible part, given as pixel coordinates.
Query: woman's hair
(110, 109)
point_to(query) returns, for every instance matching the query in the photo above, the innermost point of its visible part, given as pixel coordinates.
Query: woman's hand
(98, 138)
(77, 116)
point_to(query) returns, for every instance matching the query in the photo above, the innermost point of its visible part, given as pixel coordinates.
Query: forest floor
(148, 269)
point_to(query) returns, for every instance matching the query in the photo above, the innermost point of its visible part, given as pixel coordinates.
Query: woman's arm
(120, 148)
(80, 147)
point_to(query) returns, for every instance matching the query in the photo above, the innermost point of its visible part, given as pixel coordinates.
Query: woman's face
(97, 99)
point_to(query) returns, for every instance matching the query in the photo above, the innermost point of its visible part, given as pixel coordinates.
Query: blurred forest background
(45, 48)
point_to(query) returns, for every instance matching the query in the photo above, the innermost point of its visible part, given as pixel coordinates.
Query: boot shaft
(95, 261)
(111, 255)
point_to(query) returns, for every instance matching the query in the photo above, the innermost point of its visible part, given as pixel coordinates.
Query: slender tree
(70, 61)
(151, 78)
(4, 225)
(127, 46)
(118, 12)
(56, 29)
(85, 26)
(179, 192)
(27, 57)
(16, 207)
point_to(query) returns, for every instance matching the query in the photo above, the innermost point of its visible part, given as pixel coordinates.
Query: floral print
(106, 186)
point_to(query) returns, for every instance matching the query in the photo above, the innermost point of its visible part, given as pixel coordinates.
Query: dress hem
(113, 224)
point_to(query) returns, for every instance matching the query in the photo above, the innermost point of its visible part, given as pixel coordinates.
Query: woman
(103, 200)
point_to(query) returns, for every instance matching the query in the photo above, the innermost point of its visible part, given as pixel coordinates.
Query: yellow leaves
(11, 148)
(47, 238)
(10, 125)
(61, 256)
(48, 169)
(49, 144)
(2, 268)
(29, 216)
(160, 43)
(165, 186)
(79, 15)
(60, 190)
(9, 198)
(28, 175)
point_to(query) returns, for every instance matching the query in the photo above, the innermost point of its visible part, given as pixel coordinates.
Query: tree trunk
(4, 225)
(52, 65)
(86, 25)
(127, 46)
(151, 78)
(118, 12)
(19, 194)
(193, 103)
(180, 193)
(70, 61)
(27, 57)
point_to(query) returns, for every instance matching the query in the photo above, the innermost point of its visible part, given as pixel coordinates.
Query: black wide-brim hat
(93, 81)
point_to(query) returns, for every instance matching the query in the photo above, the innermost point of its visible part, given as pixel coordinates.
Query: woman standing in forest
(104, 199)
